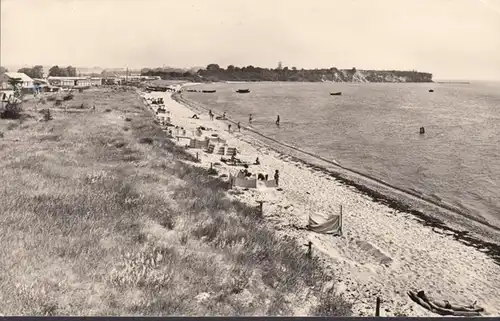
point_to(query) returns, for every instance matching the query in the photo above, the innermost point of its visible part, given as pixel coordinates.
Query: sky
(453, 39)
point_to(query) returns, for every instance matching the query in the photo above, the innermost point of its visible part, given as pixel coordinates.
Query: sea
(374, 128)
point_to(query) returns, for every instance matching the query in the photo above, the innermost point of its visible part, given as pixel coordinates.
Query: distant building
(27, 82)
(96, 81)
(69, 82)
(43, 85)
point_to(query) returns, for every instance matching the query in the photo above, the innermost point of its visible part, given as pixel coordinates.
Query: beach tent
(242, 182)
(325, 224)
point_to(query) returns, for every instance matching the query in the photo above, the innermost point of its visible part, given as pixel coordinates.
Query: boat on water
(431, 90)
(339, 93)
(243, 91)
(208, 91)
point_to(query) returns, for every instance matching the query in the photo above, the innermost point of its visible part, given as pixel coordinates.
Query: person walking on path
(250, 119)
(239, 126)
(278, 121)
(210, 114)
(277, 177)
(229, 128)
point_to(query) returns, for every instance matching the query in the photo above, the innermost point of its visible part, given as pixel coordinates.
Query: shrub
(212, 171)
(12, 111)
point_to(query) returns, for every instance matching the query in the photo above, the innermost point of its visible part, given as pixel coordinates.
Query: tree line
(38, 72)
(213, 72)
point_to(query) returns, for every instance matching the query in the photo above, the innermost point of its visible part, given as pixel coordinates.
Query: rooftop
(18, 75)
(67, 78)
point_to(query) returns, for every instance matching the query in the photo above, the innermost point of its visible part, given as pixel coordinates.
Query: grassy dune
(100, 214)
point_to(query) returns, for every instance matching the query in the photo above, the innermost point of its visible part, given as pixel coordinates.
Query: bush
(12, 111)
(46, 114)
(146, 140)
(212, 171)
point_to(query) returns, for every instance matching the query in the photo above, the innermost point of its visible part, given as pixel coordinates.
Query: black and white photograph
(230, 158)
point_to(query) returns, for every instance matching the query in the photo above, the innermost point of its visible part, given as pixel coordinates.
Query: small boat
(339, 93)
(243, 91)
(208, 91)
(431, 90)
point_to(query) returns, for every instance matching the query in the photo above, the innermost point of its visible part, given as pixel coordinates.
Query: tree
(57, 71)
(54, 71)
(213, 67)
(34, 72)
(26, 71)
(15, 83)
(37, 71)
(71, 71)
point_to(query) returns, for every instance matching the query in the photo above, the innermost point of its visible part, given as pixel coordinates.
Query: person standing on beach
(210, 114)
(250, 119)
(278, 121)
(277, 177)
(239, 126)
(229, 128)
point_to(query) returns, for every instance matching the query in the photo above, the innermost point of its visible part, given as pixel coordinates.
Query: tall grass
(112, 218)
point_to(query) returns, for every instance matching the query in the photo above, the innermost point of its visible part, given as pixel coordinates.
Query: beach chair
(230, 151)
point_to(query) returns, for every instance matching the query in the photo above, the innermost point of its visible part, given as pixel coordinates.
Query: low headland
(214, 73)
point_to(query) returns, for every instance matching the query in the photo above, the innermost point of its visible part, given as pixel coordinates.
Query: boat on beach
(243, 91)
(339, 93)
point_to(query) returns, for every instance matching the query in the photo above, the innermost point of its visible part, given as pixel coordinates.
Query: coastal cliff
(213, 73)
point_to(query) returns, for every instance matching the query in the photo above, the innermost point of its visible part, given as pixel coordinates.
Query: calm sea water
(374, 128)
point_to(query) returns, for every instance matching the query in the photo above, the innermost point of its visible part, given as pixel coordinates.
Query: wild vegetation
(103, 215)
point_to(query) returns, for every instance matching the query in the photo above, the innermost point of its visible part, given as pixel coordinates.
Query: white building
(27, 82)
(96, 81)
(69, 81)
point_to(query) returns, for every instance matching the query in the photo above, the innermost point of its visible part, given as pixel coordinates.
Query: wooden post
(377, 308)
(261, 208)
(309, 249)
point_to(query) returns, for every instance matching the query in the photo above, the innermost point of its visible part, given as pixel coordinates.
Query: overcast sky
(450, 38)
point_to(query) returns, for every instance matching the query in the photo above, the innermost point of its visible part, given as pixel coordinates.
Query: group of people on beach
(250, 119)
(257, 161)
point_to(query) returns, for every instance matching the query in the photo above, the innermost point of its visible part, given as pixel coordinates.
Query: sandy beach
(383, 252)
